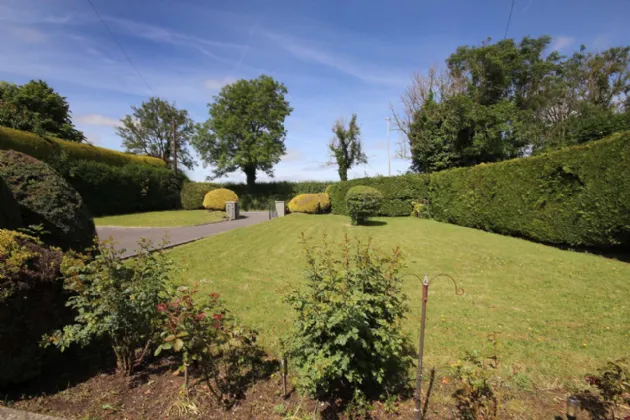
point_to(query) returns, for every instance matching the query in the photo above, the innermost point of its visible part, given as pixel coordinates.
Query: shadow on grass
(597, 408)
(373, 223)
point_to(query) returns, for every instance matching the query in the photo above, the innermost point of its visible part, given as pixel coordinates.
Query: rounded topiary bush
(363, 202)
(32, 303)
(310, 203)
(216, 199)
(9, 210)
(46, 199)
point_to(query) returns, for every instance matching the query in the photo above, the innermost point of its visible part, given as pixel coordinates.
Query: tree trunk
(343, 173)
(250, 172)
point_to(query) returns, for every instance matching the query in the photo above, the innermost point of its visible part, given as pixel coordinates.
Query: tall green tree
(346, 147)
(246, 128)
(149, 131)
(503, 100)
(37, 108)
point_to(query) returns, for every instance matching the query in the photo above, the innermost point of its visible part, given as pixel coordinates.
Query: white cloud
(99, 120)
(293, 155)
(216, 84)
(29, 35)
(361, 71)
(561, 43)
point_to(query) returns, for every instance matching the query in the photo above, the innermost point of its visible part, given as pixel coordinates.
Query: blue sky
(335, 57)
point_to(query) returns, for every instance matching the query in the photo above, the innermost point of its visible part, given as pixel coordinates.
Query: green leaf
(158, 351)
(169, 338)
(178, 344)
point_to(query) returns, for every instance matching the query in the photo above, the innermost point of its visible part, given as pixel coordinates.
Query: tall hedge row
(110, 182)
(579, 196)
(50, 149)
(250, 198)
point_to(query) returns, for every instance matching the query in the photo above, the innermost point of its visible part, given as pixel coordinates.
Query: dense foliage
(10, 217)
(346, 146)
(216, 199)
(37, 108)
(310, 203)
(46, 199)
(51, 150)
(245, 130)
(346, 340)
(501, 100)
(256, 197)
(116, 300)
(363, 202)
(32, 302)
(149, 131)
(578, 196)
(109, 190)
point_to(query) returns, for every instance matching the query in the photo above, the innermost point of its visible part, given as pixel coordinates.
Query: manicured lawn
(558, 314)
(162, 218)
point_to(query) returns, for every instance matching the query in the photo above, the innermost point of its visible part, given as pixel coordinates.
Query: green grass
(559, 314)
(162, 218)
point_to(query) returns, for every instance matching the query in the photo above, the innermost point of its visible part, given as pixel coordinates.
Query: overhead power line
(111, 34)
(507, 27)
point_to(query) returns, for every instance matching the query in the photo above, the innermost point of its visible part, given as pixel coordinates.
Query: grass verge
(169, 218)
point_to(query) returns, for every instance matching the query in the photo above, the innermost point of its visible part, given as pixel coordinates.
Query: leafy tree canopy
(346, 146)
(149, 131)
(504, 100)
(246, 128)
(37, 108)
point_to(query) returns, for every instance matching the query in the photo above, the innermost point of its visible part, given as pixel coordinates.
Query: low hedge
(46, 199)
(53, 149)
(398, 192)
(578, 196)
(310, 203)
(110, 190)
(32, 303)
(250, 198)
(363, 202)
(216, 199)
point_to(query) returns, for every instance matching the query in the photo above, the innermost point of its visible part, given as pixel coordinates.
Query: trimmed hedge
(32, 303)
(310, 203)
(578, 196)
(398, 192)
(363, 202)
(52, 149)
(256, 198)
(9, 210)
(216, 199)
(46, 199)
(109, 190)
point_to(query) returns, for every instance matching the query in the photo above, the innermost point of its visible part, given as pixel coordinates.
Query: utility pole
(174, 148)
(389, 160)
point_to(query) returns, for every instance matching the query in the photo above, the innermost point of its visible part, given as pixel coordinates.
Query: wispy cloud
(562, 42)
(293, 155)
(216, 84)
(29, 35)
(98, 120)
(362, 71)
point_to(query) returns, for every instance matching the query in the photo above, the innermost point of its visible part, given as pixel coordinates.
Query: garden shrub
(110, 190)
(420, 209)
(310, 203)
(48, 149)
(363, 202)
(346, 340)
(613, 383)
(216, 199)
(32, 302)
(193, 193)
(9, 210)
(398, 193)
(206, 337)
(46, 199)
(116, 300)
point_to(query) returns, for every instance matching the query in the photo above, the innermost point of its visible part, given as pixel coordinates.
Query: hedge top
(216, 199)
(47, 148)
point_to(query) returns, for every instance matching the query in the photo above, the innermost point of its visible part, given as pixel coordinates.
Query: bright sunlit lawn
(162, 218)
(558, 314)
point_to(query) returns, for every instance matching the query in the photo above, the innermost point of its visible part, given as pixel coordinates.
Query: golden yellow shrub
(310, 203)
(215, 199)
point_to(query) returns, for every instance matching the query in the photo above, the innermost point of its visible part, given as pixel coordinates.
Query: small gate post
(280, 208)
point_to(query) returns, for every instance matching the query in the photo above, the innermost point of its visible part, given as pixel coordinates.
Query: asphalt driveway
(127, 237)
